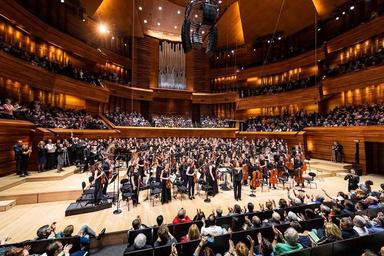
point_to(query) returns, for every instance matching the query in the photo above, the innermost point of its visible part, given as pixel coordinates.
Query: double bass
(256, 177)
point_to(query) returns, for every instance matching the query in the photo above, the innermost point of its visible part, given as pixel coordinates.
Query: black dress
(165, 192)
(212, 183)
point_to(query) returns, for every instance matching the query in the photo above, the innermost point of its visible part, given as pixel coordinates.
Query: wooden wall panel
(36, 77)
(301, 60)
(214, 98)
(292, 138)
(12, 10)
(146, 63)
(304, 96)
(358, 34)
(129, 92)
(354, 80)
(197, 71)
(319, 141)
(153, 132)
(170, 106)
(11, 131)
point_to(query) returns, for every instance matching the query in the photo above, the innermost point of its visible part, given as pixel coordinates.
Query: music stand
(225, 186)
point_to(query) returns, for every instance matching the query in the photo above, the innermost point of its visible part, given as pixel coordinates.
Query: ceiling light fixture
(178, 12)
(140, 8)
(102, 28)
(145, 21)
(337, 18)
(160, 8)
(158, 24)
(352, 7)
(175, 27)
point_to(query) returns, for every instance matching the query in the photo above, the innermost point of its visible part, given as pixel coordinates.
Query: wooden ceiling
(241, 21)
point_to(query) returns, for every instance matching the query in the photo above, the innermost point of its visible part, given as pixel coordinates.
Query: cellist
(298, 170)
(273, 174)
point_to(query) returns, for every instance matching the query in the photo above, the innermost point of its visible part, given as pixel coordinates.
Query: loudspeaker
(185, 36)
(209, 14)
(212, 41)
(197, 40)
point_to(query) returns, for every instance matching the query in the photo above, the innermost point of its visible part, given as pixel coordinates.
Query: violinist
(97, 179)
(165, 185)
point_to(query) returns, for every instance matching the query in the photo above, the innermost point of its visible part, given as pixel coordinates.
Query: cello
(273, 177)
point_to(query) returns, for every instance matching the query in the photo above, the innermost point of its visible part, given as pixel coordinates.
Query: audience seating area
(361, 115)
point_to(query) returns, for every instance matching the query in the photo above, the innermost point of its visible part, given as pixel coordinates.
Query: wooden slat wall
(319, 141)
(197, 71)
(146, 63)
(354, 80)
(305, 96)
(10, 132)
(37, 77)
(355, 35)
(214, 98)
(302, 60)
(35, 26)
(292, 138)
(153, 132)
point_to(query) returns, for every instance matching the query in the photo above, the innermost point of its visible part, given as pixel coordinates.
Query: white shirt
(213, 231)
(361, 231)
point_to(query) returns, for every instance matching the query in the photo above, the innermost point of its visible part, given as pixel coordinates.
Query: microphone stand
(118, 210)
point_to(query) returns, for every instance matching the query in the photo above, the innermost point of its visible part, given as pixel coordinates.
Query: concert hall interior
(192, 127)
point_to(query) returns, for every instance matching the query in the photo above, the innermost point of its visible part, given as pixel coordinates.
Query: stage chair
(155, 191)
(310, 179)
(126, 193)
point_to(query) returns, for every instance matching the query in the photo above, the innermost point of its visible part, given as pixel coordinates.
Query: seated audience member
(332, 233)
(254, 223)
(159, 220)
(85, 233)
(376, 225)
(164, 237)
(250, 207)
(7, 109)
(211, 229)
(193, 234)
(304, 240)
(241, 248)
(46, 232)
(275, 220)
(360, 225)
(57, 249)
(264, 247)
(181, 217)
(288, 243)
(202, 249)
(139, 243)
(237, 224)
(15, 251)
(347, 230)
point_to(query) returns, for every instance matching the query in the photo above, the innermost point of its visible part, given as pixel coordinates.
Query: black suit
(18, 157)
(237, 178)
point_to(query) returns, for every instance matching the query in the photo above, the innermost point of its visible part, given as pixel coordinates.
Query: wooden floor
(22, 221)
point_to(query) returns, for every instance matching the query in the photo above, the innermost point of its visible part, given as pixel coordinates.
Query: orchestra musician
(106, 167)
(211, 177)
(165, 185)
(298, 170)
(273, 174)
(26, 153)
(190, 172)
(98, 183)
(237, 179)
(135, 179)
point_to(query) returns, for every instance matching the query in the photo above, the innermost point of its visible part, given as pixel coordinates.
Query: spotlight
(145, 21)
(233, 51)
(343, 13)
(178, 11)
(125, 44)
(160, 8)
(269, 41)
(158, 24)
(352, 7)
(220, 1)
(140, 8)
(113, 38)
(254, 49)
(62, 1)
(279, 38)
(102, 28)
(203, 32)
(337, 18)
(83, 20)
(175, 27)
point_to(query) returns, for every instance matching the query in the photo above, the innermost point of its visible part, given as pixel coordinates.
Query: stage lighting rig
(199, 26)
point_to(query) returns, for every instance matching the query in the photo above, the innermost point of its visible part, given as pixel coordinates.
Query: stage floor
(22, 221)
